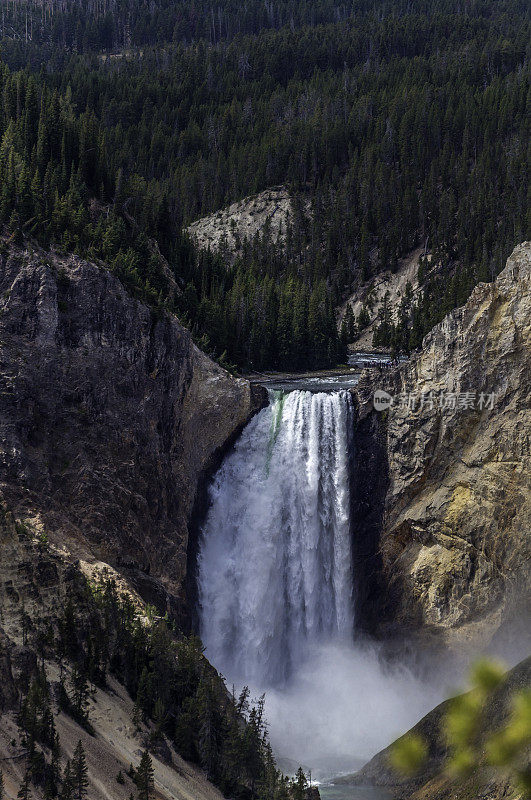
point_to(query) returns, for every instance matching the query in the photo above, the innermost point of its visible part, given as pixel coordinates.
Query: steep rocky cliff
(455, 540)
(109, 417)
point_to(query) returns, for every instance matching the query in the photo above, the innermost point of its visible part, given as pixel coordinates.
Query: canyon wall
(109, 416)
(455, 538)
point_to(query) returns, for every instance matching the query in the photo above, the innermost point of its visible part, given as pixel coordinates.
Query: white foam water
(275, 565)
(276, 583)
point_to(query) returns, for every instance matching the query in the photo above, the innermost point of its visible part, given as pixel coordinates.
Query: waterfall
(275, 564)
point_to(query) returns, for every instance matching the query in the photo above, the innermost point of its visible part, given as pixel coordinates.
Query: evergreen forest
(393, 125)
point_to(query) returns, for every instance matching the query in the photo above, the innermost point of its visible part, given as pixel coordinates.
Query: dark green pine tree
(209, 733)
(79, 773)
(79, 694)
(145, 777)
(53, 773)
(363, 318)
(24, 791)
(300, 785)
(67, 783)
(252, 745)
(350, 323)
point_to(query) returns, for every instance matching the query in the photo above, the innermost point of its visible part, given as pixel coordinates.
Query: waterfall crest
(275, 564)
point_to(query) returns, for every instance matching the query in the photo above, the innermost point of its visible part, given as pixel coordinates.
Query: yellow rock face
(456, 541)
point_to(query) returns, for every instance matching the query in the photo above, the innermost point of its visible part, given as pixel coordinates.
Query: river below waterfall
(276, 588)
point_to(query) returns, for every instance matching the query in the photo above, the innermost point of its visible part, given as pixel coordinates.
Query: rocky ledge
(455, 544)
(110, 416)
(226, 230)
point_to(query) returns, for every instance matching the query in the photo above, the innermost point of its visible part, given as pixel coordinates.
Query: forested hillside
(81, 636)
(107, 25)
(401, 126)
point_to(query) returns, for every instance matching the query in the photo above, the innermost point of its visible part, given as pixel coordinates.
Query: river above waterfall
(332, 380)
(317, 383)
(277, 588)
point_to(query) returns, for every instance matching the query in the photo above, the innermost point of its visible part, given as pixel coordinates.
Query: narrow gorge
(265, 381)
(281, 574)
(330, 554)
(337, 534)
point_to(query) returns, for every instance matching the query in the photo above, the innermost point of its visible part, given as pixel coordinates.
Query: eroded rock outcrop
(109, 416)
(227, 229)
(389, 286)
(455, 543)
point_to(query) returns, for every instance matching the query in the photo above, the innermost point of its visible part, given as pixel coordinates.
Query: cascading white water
(275, 565)
(275, 585)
